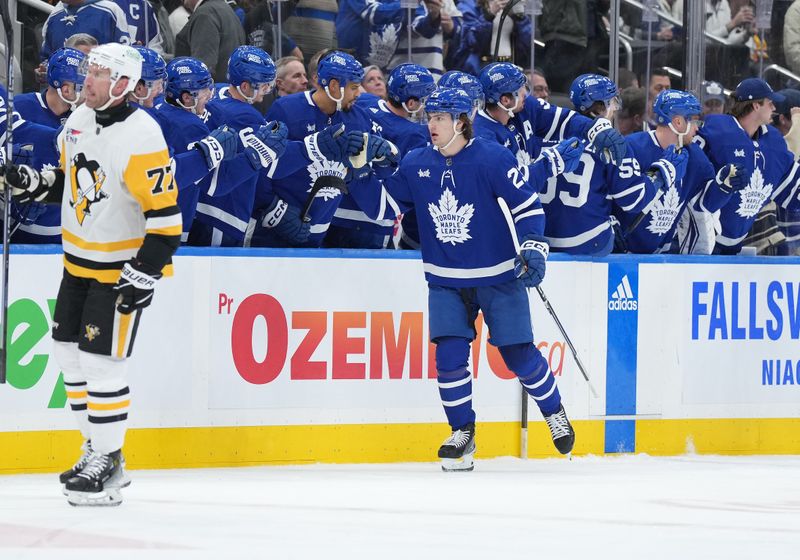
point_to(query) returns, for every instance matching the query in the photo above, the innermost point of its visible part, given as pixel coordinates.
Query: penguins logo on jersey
(87, 184)
(319, 168)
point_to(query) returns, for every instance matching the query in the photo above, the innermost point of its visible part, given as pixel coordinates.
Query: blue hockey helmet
(672, 103)
(410, 81)
(500, 78)
(250, 64)
(453, 101)
(187, 74)
(341, 67)
(64, 66)
(153, 68)
(466, 82)
(588, 89)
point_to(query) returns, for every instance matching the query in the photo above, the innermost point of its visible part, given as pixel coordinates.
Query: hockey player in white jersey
(120, 228)
(471, 262)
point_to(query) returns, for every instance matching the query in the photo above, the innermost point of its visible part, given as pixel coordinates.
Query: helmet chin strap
(141, 100)
(337, 101)
(111, 97)
(412, 114)
(250, 100)
(73, 103)
(681, 135)
(456, 134)
(511, 110)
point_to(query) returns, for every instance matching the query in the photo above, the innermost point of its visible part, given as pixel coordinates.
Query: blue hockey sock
(531, 367)
(455, 380)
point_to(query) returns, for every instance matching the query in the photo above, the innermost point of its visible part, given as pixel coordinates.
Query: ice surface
(589, 508)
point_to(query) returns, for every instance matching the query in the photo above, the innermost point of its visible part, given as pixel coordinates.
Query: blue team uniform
(768, 163)
(357, 20)
(143, 25)
(302, 117)
(33, 108)
(102, 19)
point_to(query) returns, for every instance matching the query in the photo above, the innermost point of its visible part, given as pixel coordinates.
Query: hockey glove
(730, 178)
(27, 184)
(670, 169)
(609, 143)
(218, 146)
(285, 221)
(530, 264)
(135, 287)
(564, 157)
(381, 152)
(334, 144)
(265, 145)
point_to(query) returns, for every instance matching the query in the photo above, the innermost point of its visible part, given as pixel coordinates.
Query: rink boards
(280, 356)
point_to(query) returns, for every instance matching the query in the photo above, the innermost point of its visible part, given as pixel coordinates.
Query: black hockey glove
(27, 184)
(135, 287)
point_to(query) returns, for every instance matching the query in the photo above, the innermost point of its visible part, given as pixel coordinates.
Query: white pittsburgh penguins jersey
(118, 187)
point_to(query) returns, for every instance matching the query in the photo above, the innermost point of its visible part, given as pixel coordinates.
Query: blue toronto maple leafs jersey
(357, 20)
(579, 204)
(33, 108)
(143, 25)
(464, 236)
(302, 118)
(102, 19)
(656, 231)
(768, 163)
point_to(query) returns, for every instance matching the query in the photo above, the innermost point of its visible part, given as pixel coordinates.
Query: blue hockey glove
(731, 178)
(265, 145)
(670, 169)
(334, 144)
(609, 143)
(220, 145)
(285, 221)
(380, 151)
(564, 157)
(530, 264)
(135, 286)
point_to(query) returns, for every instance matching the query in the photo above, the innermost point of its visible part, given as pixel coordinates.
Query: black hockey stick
(8, 26)
(322, 182)
(503, 16)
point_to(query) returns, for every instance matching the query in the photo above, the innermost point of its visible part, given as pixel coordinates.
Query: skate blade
(108, 497)
(464, 464)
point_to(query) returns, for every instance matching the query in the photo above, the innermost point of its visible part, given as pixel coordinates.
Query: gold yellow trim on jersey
(76, 240)
(149, 179)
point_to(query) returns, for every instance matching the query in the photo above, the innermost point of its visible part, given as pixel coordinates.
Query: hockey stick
(503, 16)
(5, 8)
(323, 181)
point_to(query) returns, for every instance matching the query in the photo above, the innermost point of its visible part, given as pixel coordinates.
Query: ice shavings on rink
(588, 508)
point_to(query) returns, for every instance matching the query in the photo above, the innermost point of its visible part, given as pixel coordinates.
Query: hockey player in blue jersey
(102, 19)
(471, 262)
(64, 82)
(692, 199)
(578, 205)
(744, 136)
(151, 86)
(522, 123)
(335, 218)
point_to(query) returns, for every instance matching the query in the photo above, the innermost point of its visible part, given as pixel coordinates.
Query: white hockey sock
(108, 400)
(66, 354)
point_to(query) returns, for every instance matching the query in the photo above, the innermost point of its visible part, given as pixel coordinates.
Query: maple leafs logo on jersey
(664, 212)
(753, 196)
(382, 44)
(86, 182)
(451, 221)
(317, 169)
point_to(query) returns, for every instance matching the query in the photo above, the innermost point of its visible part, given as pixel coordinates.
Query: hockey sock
(108, 400)
(66, 354)
(531, 367)
(455, 380)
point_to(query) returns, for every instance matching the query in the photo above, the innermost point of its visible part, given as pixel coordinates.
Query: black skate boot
(458, 450)
(98, 484)
(78, 466)
(561, 430)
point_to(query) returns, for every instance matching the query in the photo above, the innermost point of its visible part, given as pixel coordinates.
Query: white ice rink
(638, 507)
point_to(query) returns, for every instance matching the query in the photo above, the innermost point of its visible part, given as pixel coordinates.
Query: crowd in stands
(445, 36)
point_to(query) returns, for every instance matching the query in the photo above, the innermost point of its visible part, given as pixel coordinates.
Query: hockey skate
(124, 479)
(99, 483)
(561, 430)
(458, 450)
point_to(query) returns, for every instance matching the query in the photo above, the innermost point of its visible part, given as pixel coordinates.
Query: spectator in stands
(712, 97)
(626, 79)
(82, 42)
(312, 26)
(374, 81)
(659, 81)
(290, 75)
(735, 30)
(630, 117)
(143, 25)
(371, 28)
(791, 37)
(212, 33)
(261, 30)
(178, 15)
(103, 18)
(539, 85)
(437, 21)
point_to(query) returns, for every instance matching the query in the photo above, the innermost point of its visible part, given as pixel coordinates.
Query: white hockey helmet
(122, 60)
